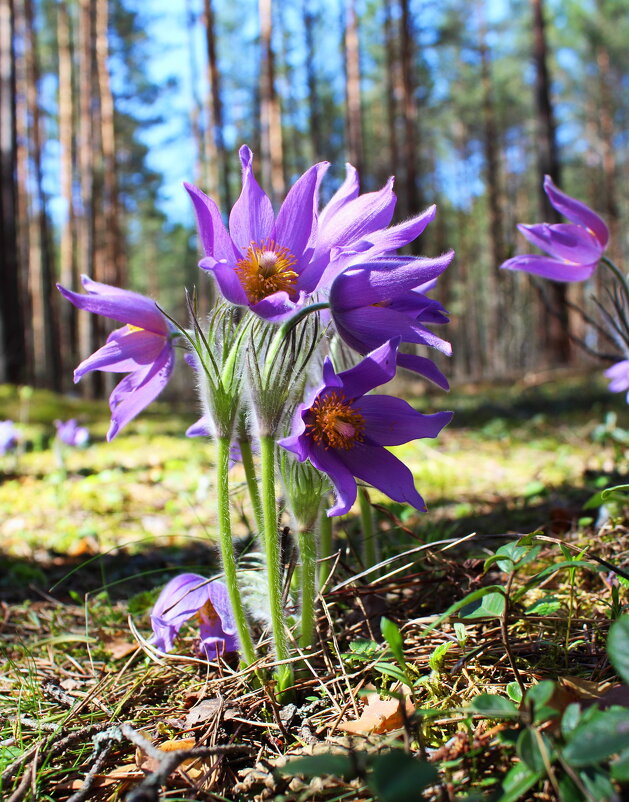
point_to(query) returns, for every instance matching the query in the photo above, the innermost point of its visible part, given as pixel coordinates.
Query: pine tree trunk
(354, 123)
(12, 341)
(411, 144)
(196, 112)
(558, 331)
(217, 116)
(392, 82)
(68, 267)
(314, 107)
(270, 114)
(44, 304)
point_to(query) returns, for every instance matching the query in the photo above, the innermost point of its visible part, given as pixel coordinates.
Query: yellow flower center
(134, 328)
(335, 423)
(267, 268)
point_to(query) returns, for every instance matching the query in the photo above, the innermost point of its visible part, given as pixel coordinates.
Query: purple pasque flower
(373, 302)
(573, 249)
(70, 433)
(263, 262)
(143, 348)
(618, 376)
(344, 433)
(203, 428)
(9, 437)
(187, 596)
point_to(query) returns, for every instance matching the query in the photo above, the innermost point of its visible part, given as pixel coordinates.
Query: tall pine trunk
(557, 341)
(314, 106)
(270, 113)
(353, 122)
(12, 341)
(411, 143)
(217, 131)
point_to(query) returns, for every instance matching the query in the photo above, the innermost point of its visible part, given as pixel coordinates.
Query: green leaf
(618, 647)
(570, 719)
(471, 597)
(613, 491)
(544, 606)
(492, 605)
(394, 671)
(605, 734)
(391, 633)
(514, 692)
(531, 747)
(398, 777)
(492, 706)
(436, 659)
(518, 781)
(568, 791)
(620, 768)
(337, 765)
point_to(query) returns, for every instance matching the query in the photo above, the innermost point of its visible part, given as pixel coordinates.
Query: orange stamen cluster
(335, 423)
(267, 268)
(207, 614)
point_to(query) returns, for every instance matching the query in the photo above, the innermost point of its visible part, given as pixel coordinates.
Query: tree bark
(217, 116)
(270, 113)
(411, 145)
(44, 305)
(354, 122)
(314, 106)
(558, 331)
(392, 84)
(12, 341)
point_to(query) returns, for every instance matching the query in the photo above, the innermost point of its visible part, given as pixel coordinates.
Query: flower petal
(121, 305)
(395, 237)
(618, 375)
(391, 421)
(227, 280)
(215, 240)
(346, 192)
(387, 473)
(550, 268)
(297, 218)
(328, 462)
(382, 280)
(137, 390)
(180, 600)
(375, 369)
(425, 367)
(251, 217)
(371, 325)
(126, 352)
(576, 211)
(565, 241)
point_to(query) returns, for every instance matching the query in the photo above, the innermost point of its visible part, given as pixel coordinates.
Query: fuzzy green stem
(623, 280)
(325, 547)
(370, 547)
(252, 481)
(284, 673)
(285, 330)
(308, 555)
(227, 549)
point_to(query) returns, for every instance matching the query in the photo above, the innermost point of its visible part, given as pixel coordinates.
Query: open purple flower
(573, 249)
(187, 596)
(70, 433)
(9, 437)
(143, 348)
(344, 433)
(618, 376)
(264, 261)
(376, 301)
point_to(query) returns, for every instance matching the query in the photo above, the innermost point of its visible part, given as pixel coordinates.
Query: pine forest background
(107, 105)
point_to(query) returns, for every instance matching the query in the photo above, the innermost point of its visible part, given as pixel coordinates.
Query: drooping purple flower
(202, 428)
(187, 596)
(618, 376)
(573, 249)
(9, 437)
(263, 262)
(376, 301)
(70, 433)
(344, 433)
(143, 348)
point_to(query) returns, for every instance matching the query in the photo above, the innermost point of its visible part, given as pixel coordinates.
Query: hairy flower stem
(325, 547)
(284, 674)
(622, 278)
(252, 481)
(227, 549)
(308, 554)
(370, 547)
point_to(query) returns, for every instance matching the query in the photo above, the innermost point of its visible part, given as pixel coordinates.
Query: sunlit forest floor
(84, 546)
